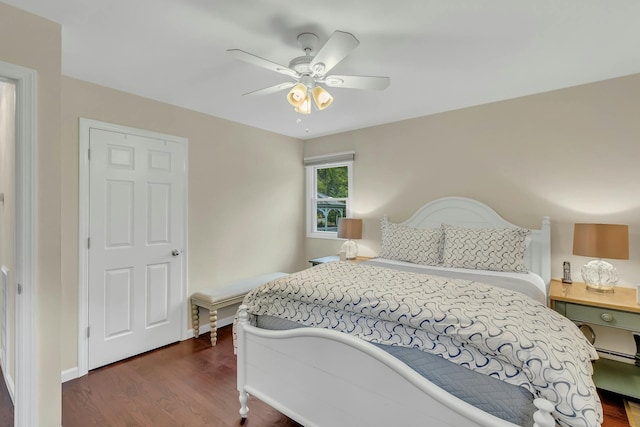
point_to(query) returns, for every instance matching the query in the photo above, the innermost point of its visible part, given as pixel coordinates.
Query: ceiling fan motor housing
(301, 64)
(309, 43)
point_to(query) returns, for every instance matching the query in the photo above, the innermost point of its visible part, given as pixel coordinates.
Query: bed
(487, 331)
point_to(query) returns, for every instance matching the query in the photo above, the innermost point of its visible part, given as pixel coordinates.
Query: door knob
(176, 252)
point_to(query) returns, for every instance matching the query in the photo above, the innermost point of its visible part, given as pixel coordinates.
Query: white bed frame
(324, 378)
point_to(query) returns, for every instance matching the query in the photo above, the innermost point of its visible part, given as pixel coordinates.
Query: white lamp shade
(298, 95)
(322, 98)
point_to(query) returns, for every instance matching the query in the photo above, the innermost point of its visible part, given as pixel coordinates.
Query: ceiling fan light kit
(309, 71)
(300, 97)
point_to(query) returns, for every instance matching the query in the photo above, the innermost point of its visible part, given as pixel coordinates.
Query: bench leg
(195, 320)
(213, 318)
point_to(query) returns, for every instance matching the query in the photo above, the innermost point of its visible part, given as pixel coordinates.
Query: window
(329, 192)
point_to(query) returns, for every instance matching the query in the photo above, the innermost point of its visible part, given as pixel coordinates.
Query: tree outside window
(332, 186)
(330, 197)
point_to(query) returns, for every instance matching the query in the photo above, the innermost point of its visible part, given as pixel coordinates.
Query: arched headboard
(464, 212)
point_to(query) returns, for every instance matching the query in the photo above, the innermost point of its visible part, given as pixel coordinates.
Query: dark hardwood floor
(614, 413)
(187, 384)
(6, 406)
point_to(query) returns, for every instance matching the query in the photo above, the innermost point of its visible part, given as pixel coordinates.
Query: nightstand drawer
(602, 316)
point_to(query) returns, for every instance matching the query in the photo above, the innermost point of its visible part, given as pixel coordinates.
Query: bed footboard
(321, 377)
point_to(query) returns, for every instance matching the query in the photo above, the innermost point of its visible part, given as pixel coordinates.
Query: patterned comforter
(497, 332)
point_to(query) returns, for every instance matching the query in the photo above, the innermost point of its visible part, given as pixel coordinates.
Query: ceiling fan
(308, 72)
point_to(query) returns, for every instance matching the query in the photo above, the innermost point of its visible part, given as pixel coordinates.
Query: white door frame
(83, 232)
(25, 405)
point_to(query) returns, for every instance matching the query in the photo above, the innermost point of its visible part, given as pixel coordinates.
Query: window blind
(347, 156)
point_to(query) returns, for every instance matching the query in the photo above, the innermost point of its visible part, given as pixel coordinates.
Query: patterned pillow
(497, 249)
(416, 245)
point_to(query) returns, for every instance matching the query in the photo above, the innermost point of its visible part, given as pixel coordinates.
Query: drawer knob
(606, 317)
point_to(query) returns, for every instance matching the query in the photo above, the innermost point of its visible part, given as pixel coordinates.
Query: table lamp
(350, 228)
(601, 241)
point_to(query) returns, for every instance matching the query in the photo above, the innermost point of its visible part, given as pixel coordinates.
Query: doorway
(22, 280)
(7, 247)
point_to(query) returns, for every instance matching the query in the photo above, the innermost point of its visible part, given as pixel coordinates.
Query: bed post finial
(243, 320)
(243, 316)
(542, 417)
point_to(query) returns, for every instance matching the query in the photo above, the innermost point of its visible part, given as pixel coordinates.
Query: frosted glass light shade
(297, 95)
(305, 108)
(321, 97)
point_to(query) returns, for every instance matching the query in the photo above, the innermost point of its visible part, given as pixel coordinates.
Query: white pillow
(416, 245)
(496, 249)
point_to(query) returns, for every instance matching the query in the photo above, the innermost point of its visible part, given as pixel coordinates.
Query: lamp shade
(349, 228)
(601, 240)
(297, 95)
(322, 98)
(305, 107)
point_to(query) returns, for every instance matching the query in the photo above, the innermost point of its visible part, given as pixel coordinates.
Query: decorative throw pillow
(497, 249)
(416, 245)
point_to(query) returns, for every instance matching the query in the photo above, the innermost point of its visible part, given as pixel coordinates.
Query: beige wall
(571, 154)
(35, 43)
(246, 191)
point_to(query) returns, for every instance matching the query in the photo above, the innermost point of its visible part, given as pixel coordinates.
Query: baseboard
(226, 321)
(72, 373)
(633, 412)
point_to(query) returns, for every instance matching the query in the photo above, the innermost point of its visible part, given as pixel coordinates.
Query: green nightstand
(615, 310)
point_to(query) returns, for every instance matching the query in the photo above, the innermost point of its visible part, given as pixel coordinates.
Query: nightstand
(334, 258)
(616, 310)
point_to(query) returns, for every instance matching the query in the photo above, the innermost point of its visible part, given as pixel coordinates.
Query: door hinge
(88, 331)
(89, 154)
(19, 288)
(88, 242)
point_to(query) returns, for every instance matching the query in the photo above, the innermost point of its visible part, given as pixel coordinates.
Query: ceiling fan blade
(261, 62)
(271, 89)
(339, 45)
(358, 82)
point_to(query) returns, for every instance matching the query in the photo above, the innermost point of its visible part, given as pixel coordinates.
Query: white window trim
(311, 192)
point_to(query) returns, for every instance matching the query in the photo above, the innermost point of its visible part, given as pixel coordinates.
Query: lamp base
(599, 276)
(350, 248)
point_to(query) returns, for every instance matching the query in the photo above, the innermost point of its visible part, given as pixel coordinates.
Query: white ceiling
(440, 55)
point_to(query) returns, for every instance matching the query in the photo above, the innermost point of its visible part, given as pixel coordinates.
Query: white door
(136, 205)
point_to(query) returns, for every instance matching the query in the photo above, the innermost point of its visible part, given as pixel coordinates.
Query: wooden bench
(230, 294)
